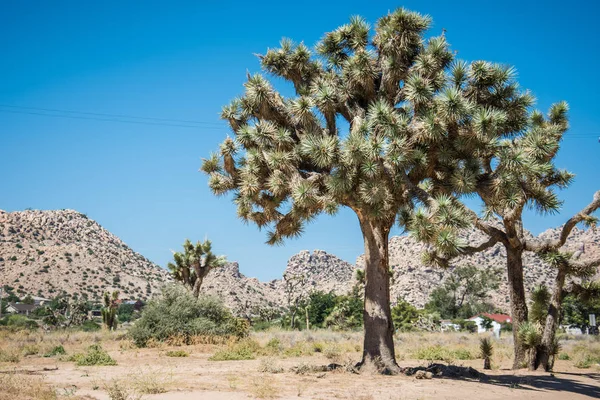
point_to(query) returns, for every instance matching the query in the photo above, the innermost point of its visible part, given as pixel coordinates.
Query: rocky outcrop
(47, 253)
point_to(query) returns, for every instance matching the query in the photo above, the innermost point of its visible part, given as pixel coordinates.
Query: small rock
(423, 375)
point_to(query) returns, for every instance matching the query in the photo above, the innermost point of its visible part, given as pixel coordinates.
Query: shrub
(90, 326)
(20, 322)
(177, 353)
(56, 351)
(10, 355)
(564, 356)
(244, 349)
(178, 313)
(95, 355)
(270, 366)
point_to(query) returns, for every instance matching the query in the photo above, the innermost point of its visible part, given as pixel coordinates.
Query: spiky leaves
(194, 263)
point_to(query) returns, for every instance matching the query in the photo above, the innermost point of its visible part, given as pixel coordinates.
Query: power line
(110, 120)
(112, 115)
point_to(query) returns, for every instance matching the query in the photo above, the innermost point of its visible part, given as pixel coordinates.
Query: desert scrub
(150, 381)
(18, 386)
(95, 355)
(269, 365)
(178, 314)
(56, 351)
(10, 355)
(264, 389)
(117, 390)
(244, 349)
(437, 352)
(564, 356)
(177, 353)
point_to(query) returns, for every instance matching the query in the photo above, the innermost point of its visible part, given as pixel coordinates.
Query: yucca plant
(193, 264)
(487, 348)
(530, 336)
(109, 310)
(380, 121)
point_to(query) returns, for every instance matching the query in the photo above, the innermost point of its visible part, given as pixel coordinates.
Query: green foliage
(404, 316)
(346, 314)
(90, 326)
(192, 266)
(486, 347)
(437, 352)
(564, 356)
(177, 313)
(125, 312)
(94, 355)
(464, 293)
(465, 325)
(56, 351)
(177, 353)
(487, 323)
(540, 297)
(19, 322)
(109, 310)
(320, 305)
(28, 300)
(244, 349)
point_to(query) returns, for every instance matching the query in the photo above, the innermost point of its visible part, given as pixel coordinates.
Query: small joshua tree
(486, 347)
(192, 266)
(109, 310)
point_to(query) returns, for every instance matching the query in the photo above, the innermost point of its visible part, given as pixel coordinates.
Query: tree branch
(538, 245)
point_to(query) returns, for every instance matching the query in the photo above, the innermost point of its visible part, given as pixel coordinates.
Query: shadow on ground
(559, 381)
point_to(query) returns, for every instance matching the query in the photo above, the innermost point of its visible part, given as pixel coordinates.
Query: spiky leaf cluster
(194, 262)
(375, 113)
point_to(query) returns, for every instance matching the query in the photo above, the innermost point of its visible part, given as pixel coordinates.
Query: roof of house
(500, 318)
(21, 307)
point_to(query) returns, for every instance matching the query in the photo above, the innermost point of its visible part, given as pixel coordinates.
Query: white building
(497, 321)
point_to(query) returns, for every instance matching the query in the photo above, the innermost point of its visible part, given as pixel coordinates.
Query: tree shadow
(557, 381)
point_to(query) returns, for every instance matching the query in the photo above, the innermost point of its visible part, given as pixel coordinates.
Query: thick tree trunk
(544, 355)
(197, 285)
(518, 302)
(379, 329)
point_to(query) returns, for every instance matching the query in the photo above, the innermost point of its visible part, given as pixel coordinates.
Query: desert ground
(283, 365)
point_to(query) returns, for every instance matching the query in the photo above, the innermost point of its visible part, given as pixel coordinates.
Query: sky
(167, 68)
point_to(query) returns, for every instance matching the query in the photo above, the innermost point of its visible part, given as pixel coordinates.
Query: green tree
(464, 293)
(192, 266)
(579, 303)
(372, 118)
(319, 305)
(404, 315)
(28, 300)
(513, 172)
(540, 298)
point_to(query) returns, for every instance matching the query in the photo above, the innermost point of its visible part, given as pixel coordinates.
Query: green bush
(90, 326)
(177, 353)
(19, 322)
(95, 355)
(56, 351)
(564, 356)
(243, 350)
(177, 313)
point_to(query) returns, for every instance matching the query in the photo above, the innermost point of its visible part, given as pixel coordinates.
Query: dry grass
(16, 387)
(264, 388)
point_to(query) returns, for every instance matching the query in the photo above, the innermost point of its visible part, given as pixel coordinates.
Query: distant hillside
(49, 252)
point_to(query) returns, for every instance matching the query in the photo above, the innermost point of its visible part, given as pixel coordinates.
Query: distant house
(497, 321)
(20, 308)
(40, 301)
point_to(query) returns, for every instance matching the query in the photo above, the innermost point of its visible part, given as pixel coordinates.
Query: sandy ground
(195, 377)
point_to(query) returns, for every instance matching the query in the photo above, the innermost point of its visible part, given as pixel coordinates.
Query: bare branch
(538, 245)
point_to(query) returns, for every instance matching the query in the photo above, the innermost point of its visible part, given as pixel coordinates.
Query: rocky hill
(46, 253)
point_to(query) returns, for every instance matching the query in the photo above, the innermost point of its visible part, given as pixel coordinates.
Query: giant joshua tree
(374, 122)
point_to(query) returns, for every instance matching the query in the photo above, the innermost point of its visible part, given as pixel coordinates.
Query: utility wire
(112, 115)
(111, 120)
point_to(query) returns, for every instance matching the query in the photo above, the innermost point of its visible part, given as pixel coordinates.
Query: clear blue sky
(185, 60)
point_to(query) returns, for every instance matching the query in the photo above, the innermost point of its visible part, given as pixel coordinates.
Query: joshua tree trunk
(545, 351)
(378, 342)
(518, 302)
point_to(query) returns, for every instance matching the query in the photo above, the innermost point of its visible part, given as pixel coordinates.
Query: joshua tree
(513, 173)
(374, 121)
(192, 266)
(109, 310)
